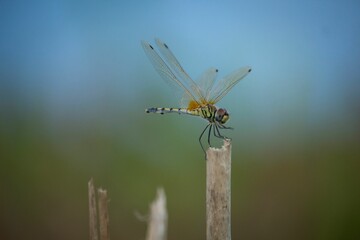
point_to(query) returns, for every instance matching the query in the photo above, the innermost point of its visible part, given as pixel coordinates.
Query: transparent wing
(163, 69)
(179, 70)
(206, 82)
(227, 83)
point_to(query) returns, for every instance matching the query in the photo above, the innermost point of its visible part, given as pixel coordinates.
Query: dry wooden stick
(103, 214)
(157, 226)
(218, 192)
(93, 225)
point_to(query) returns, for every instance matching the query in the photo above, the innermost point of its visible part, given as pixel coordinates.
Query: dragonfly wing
(227, 83)
(206, 82)
(178, 69)
(163, 69)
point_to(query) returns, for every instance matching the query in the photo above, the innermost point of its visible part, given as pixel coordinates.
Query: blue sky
(304, 54)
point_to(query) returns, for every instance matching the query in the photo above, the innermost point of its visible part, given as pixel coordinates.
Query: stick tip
(214, 153)
(226, 145)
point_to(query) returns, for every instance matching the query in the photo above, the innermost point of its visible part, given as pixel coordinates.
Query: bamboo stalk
(218, 192)
(157, 226)
(93, 225)
(103, 214)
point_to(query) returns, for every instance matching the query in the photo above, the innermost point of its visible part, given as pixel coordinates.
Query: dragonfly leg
(218, 135)
(209, 134)
(214, 132)
(224, 127)
(202, 133)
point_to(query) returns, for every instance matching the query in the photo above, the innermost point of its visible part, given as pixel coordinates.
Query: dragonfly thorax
(213, 114)
(221, 115)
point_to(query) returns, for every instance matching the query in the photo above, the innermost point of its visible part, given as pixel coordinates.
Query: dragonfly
(200, 96)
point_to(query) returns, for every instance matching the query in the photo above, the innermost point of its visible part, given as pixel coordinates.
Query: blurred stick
(157, 225)
(93, 213)
(103, 214)
(218, 192)
(94, 235)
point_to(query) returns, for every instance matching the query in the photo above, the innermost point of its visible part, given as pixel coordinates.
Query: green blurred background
(74, 83)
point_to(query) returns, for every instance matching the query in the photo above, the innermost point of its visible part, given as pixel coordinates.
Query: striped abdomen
(194, 112)
(207, 112)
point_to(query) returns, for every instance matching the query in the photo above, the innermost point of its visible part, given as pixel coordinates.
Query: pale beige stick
(93, 225)
(103, 214)
(157, 225)
(218, 192)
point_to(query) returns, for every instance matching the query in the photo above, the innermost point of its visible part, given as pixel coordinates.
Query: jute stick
(218, 192)
(103, 214)
(157, 226)
(93, 225)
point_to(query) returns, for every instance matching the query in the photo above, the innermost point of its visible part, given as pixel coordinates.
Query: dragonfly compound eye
(222, 116)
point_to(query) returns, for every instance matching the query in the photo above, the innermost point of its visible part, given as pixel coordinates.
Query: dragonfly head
(221, 115)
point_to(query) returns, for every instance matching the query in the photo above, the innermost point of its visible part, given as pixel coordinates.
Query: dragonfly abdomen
(173, 110)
